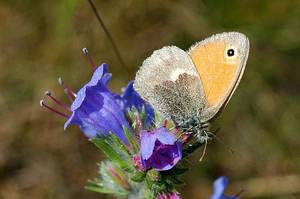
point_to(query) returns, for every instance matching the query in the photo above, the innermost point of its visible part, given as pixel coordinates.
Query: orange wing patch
(218, 73)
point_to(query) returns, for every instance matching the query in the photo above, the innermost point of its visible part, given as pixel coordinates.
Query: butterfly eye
(230, 52)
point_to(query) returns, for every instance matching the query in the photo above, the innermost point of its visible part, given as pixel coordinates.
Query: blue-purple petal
(100, 76)
(160, 149)
(95, 109)
(147, 144)
(130, 98)
(220, 185)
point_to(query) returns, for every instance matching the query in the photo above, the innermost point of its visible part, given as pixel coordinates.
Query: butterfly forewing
(220, 62)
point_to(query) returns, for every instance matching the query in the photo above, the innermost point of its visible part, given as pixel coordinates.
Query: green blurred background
(41, 40)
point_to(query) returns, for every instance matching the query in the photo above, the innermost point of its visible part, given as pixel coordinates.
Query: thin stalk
(109, 37)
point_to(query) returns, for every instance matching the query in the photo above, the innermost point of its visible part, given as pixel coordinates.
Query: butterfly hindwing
(169, 81)
(181, 98)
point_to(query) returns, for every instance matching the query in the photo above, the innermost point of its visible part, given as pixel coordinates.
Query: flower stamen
(44, 105)
(58, 102)
(89, 58)
(67, 89)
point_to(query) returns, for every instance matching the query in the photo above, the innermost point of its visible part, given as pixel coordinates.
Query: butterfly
(192, 87)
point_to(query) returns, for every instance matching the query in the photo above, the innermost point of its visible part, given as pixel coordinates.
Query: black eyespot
(230, 52)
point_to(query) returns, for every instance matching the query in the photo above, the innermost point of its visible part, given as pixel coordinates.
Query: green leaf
(119, 178)
(118, 143)
(143, 114)
(138, 176)
(149, 182)
(109, 151)
(132, 141)
(158, 118)
(131, 114)
(95, 187)
(170, 125)
(149, 194)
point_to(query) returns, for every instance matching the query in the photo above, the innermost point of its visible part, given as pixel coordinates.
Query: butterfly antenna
(108, 35)
(205, 146)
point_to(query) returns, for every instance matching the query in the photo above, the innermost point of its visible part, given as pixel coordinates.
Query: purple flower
(160, 149)
(220, 185)
(130, 98)
(95, 109)
(172, 195)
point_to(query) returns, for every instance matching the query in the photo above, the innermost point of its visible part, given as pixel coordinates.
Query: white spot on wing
(176, 72)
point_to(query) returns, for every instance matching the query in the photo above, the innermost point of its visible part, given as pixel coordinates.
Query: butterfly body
(192, 87)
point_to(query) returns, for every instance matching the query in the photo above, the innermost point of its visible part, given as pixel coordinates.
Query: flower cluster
(144, 152)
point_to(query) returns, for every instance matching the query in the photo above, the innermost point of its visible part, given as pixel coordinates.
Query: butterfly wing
(169, 80)
(220, 62)
(197, 83)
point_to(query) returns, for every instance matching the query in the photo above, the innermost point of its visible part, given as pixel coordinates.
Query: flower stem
(109, 37)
